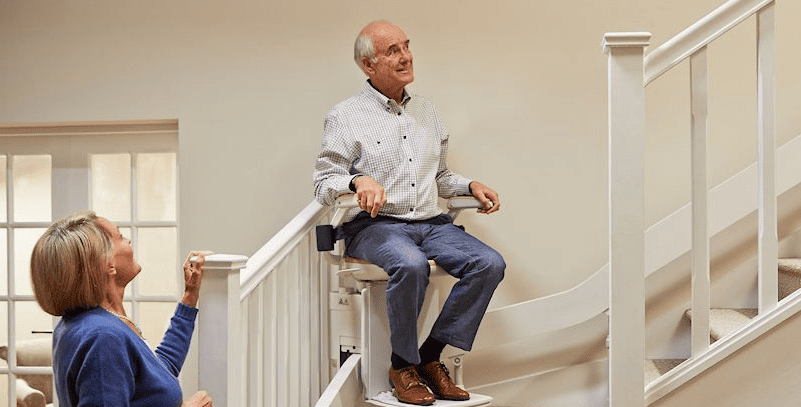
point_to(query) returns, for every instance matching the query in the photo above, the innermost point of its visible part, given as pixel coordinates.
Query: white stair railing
(626, 111)
(263, 326)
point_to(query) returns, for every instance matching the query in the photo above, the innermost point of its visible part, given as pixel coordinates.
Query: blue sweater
(100, 361)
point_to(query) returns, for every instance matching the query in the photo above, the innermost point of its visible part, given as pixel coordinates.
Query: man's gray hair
(363, 48)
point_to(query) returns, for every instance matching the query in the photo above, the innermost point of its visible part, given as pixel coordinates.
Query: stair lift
(362, 297)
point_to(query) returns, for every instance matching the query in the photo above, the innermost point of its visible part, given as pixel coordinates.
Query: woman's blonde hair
(69, 264)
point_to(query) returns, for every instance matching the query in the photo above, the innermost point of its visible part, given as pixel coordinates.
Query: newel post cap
(225, 262)
(625, 40)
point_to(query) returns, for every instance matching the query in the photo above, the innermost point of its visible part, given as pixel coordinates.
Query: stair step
(724, 321)
(790, 265)
(789, 276)
(657, 367)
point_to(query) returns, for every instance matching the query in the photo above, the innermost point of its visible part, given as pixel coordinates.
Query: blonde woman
(79, 268)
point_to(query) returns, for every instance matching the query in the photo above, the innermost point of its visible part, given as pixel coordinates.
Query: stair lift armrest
(346, 201)
(342, 205)
(458, 203)
(455, 205)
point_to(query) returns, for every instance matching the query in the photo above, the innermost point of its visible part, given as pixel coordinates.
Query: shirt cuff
(463, 187)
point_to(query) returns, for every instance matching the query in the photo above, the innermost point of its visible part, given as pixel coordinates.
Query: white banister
(699, 35)
(218, 326)
(700, 202)
(626, 217)
(766, 130)
(625, 121)
(265, 260)
(264, 331)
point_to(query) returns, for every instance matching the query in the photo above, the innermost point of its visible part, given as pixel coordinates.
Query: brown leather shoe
(436, 376)
(409, 387)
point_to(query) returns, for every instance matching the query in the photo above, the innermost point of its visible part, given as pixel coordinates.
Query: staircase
(727, 321)
(282, 353)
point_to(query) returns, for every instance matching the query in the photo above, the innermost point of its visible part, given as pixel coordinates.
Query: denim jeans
(403, 249)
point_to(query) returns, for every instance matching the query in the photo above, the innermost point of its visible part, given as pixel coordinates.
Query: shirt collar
(380, 98)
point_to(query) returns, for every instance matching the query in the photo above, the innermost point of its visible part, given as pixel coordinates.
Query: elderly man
(390, 147)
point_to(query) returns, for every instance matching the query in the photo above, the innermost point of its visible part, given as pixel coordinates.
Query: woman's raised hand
(200, 399)
(193, 275)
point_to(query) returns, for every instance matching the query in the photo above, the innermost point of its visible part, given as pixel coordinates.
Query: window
(126, 172)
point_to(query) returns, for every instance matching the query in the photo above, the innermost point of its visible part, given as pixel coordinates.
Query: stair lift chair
(370, 284)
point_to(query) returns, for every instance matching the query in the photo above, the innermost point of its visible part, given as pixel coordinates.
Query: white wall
(521, 84)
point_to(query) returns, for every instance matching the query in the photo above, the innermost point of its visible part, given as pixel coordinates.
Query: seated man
(390, 148)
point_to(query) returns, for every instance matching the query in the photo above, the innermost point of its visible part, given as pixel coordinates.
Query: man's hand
(370, 195)
(488, 197)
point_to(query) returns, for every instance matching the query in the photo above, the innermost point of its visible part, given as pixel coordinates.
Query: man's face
(392, 70)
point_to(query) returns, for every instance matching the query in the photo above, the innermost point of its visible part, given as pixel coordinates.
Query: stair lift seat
(371, 281)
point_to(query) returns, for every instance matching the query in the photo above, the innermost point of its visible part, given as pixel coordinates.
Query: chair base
(386, 399)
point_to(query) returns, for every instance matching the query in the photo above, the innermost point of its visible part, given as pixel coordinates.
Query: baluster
(766, 128)
(700, 203)
(275, 335)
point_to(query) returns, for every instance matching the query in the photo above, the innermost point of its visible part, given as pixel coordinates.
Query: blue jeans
(403, 249)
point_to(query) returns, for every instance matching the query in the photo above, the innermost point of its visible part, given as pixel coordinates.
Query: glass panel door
(129, 177)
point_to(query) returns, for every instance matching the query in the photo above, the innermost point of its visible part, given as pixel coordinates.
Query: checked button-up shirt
(402, 146)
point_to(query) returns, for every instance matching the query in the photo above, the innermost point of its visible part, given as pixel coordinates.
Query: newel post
(626, 104)
(219, 332)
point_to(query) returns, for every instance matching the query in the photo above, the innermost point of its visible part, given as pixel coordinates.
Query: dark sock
(398, 362)
(430, 351)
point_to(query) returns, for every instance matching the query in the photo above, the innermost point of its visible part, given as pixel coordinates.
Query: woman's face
(123, 258)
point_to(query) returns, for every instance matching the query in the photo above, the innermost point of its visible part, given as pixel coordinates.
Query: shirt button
(412, 184)
(404, 137)
(410, 160)
(411, 209)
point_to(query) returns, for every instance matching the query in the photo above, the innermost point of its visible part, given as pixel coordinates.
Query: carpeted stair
(723, 322)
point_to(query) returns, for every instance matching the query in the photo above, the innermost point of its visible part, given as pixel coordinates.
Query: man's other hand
(487, 196)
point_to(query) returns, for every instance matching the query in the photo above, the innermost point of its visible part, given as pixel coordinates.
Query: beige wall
(521, 84)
